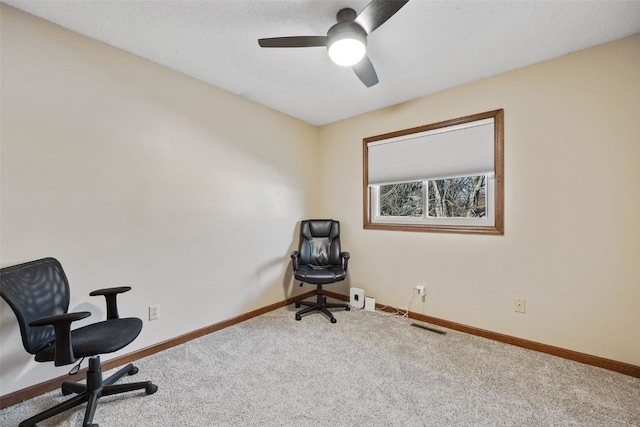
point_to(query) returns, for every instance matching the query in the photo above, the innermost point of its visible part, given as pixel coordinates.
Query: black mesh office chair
(38, 294)
(319, 261)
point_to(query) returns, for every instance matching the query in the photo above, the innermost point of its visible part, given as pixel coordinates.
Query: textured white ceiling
(428, 46)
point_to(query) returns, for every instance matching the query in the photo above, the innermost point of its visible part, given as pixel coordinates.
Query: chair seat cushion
(320, 275)
(98, 338)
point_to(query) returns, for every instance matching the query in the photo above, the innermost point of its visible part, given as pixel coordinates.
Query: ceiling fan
(346, 41)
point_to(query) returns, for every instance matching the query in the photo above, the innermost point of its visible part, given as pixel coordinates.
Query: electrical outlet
(421, 290)
(518, 305)
(154, 312)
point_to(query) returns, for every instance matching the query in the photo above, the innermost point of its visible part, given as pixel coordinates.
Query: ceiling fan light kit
(346, 41)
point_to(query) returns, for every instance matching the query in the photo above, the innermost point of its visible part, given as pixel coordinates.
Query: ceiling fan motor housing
(346, 28)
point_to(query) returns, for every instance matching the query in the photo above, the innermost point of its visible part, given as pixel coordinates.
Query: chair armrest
(66, 318)
(110, 295)
(295, 257)
(62, 327)
(345, 260)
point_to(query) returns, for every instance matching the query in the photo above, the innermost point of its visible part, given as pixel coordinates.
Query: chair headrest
(314, 228)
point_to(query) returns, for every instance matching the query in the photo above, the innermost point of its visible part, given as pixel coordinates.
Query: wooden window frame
(496, 229)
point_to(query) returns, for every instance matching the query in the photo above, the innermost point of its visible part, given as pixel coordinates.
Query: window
(445, 176)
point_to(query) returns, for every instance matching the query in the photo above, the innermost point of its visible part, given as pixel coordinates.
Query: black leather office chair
(319, 261)
(38, 294)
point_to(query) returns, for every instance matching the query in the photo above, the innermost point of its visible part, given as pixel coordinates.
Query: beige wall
(132, 174)
(571, 246)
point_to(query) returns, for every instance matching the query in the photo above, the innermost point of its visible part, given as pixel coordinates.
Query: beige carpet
(368, 369)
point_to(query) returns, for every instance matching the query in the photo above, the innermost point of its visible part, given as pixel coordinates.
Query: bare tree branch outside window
(401, 199)
(458, 197)
(447, 198)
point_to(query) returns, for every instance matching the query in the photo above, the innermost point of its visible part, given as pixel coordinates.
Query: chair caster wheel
(348, 308)
(333, 320)
(151, 388)
(134, 370)
(298, 317)
(297, 305)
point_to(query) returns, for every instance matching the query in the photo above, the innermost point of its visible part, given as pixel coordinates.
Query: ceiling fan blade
(295, 41)
(365, 72)
(377, 13)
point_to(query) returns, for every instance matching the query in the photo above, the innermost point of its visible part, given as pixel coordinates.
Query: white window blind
(454, 151)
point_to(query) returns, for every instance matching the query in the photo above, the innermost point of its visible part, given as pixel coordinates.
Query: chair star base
(320, 304)
(90, 393)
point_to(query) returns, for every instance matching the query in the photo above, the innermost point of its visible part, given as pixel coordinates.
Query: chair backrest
(319, 242)
(34, 290)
